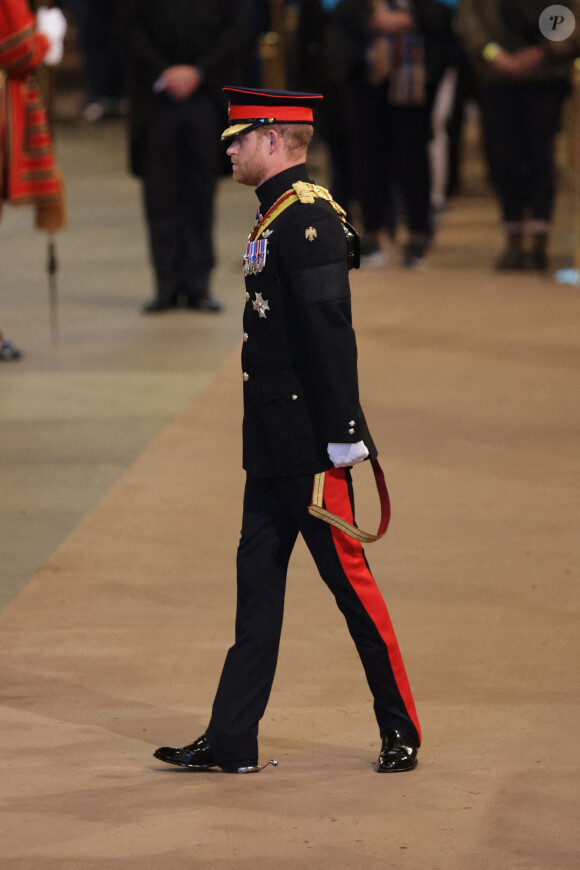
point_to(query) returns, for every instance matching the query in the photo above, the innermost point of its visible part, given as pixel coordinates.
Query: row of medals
(256, 251)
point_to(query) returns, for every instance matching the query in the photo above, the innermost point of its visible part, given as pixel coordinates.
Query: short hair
(296, 137)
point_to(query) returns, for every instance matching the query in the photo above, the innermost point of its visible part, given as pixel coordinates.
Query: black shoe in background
(156, 306)
(539, 252)
(415, 251)
(208, 304)
(513, 257)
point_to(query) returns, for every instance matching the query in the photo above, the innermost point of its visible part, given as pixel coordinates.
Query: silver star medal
(260, 305)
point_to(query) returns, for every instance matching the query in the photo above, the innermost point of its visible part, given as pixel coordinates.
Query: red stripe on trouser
(350, 554)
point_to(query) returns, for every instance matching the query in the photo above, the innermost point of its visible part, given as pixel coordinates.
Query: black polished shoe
(199, 756)
(155, 306)
(208, 304)
(398, 752)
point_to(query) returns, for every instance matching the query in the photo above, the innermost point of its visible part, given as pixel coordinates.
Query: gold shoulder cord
(307, 193)
(304, 192)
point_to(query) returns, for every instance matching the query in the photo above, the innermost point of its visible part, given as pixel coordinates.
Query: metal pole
(576, 146)
(47, 79)
(51, 268)
(572, 276)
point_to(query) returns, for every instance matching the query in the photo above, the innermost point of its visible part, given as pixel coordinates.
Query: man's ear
(274, 141)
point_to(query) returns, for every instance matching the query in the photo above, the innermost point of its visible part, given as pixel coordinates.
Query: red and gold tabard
(28, 172)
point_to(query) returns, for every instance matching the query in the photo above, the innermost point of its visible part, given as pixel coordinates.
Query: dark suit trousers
(390, 159)
(521, 121)
(180, 172)
(275, 512)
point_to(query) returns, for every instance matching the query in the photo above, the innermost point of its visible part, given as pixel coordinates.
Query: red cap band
(298, 114)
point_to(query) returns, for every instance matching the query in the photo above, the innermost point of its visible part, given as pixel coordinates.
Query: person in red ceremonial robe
(28, 172)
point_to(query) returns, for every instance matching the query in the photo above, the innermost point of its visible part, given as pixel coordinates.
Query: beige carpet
(470, 383)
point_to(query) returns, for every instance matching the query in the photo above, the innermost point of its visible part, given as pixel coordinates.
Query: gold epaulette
(307, 193)
(301, 191)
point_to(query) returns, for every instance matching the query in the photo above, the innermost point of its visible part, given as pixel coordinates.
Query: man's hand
(527, 59)
(388, 21)
(521, 63)
(504, 63)
(180, 81)
(342, 455)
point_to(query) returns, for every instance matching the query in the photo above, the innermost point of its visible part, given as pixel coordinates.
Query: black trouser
(390, 159)
(180, 171)
(275, 511)
(520, 123)
(101, 47)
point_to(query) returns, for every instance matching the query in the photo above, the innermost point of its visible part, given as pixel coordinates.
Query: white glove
(342, 455)
(52, 23)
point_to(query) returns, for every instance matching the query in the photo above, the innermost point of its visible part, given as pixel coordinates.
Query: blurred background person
(28, 172)
(179, 54)
(100, 47)
(523, 79)
(464, 94)
(445, 63)
(328, 56)
(260, 24)
(393, 80)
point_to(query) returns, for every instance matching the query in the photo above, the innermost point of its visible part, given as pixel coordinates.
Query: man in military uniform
(302, 423)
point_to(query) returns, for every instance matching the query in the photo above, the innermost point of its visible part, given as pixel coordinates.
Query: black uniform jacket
(299, 359)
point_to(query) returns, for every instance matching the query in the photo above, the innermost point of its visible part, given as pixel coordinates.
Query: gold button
(351, 423)
(294, 397)
(246, 336)
(247, 296)
(351, 431)
(246, 376)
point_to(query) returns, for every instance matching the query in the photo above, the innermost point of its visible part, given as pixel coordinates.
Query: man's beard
(252, 173)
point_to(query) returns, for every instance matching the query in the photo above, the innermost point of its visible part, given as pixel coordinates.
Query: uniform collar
(274, 187)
